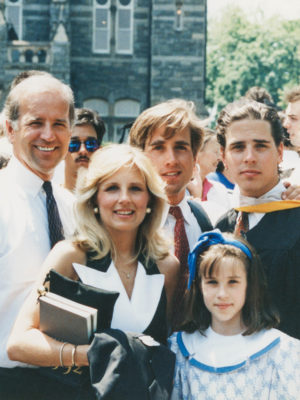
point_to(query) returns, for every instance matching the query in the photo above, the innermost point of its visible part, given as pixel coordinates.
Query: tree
(242, 53)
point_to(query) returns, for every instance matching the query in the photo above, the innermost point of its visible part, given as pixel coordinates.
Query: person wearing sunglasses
(87, 135)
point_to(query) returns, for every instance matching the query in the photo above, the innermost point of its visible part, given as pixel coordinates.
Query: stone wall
(166, 62)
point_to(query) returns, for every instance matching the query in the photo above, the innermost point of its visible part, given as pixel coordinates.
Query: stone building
(119, 56)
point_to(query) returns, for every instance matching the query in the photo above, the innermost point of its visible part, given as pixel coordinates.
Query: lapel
(279, 229)
(133, 314)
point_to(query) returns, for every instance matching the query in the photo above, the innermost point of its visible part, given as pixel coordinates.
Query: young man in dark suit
(250, 135)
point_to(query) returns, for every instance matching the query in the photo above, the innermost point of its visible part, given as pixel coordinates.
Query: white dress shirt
(272, 195)
(192, 228)
(24, 240)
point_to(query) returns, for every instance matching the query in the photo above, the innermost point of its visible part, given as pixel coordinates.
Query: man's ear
(223, 156)
(280, 152)
(10, 131)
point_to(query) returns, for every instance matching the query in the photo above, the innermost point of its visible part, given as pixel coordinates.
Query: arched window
(125, 112)
(127, 108)
(13, 15)
(102, 107)
(115, 116)
(99, 105)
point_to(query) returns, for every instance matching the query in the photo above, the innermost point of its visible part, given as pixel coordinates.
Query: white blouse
(134, 314)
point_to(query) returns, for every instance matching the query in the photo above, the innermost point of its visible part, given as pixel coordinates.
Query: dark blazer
(276, 238)
(200, 215)
(125, 367)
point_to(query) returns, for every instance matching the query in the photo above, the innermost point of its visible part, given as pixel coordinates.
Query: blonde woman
(118, 247)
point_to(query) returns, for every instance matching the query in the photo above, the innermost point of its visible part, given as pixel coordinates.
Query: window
(127, 108)
(115, 116)
(13, 15)
(124, 26)
(101, 25)
(125, 112)
(179, 16)
(102, 107)
(113, 26)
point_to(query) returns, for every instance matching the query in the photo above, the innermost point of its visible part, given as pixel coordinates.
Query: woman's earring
(148, 210)
(96, 210)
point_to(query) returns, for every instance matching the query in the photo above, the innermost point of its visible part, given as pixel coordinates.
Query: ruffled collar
(222, 354)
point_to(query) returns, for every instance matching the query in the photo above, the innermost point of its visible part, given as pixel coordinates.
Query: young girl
(228, 348)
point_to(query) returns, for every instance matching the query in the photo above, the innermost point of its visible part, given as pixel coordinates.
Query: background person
(118, 247)
(222, 176)
(87, 135)
(212, 195)
(292, 125)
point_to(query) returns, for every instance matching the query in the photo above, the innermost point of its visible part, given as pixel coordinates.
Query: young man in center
(250, 135)
(170, 134)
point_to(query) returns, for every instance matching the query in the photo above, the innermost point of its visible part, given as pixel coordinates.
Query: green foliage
(242, 53)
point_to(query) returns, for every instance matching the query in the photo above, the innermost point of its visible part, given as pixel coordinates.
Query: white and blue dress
(264, 365)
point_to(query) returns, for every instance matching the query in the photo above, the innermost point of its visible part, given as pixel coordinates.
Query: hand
(292, 192)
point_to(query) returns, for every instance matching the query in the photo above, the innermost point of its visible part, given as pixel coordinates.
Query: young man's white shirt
(192, 228)
(272, 195)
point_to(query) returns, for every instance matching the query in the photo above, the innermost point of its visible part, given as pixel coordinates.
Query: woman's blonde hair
(91, 233)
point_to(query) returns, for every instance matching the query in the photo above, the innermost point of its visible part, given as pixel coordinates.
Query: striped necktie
(54, 221)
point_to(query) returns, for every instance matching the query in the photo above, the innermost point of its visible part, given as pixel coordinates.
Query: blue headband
(206, 240)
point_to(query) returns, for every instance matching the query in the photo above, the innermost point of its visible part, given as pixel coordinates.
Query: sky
(288, 9)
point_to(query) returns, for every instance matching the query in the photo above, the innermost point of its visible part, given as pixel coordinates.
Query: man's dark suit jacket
(200, 215)
(276, 238)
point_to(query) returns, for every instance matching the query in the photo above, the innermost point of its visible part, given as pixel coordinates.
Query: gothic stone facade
(119, 56)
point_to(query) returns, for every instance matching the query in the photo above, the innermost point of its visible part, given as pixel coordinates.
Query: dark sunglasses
(91, 145)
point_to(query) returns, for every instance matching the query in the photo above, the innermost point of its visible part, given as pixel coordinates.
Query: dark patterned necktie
(54, 222)
(182, 249)
(242, 224)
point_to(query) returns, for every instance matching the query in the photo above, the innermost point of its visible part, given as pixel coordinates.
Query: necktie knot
(242, 224)
(47, 186)
(176, 212)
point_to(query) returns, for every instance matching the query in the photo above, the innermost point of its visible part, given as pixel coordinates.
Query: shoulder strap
(98, 264)
(200, 216)
(149, 265)
(226, 223)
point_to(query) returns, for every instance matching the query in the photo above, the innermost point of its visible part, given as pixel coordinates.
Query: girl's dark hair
(257, 312)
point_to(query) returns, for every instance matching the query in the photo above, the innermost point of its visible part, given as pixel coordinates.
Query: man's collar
(272, 195)
(25, 179)
(185, 209)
